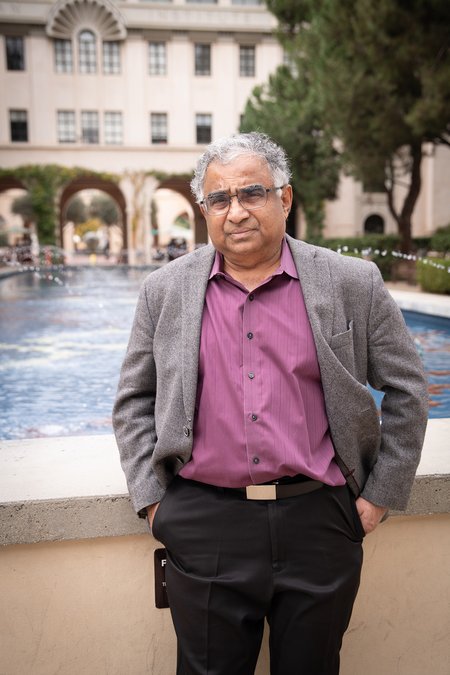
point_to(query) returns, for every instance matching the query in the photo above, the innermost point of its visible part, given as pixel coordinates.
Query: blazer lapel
(194, 284)
(315, 280)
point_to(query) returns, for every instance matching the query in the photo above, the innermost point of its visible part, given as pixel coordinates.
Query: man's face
(242, 236)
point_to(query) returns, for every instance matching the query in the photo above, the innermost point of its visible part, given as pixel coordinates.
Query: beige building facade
(137, 88)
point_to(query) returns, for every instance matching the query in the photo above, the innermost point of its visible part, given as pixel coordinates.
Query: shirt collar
(287, 264)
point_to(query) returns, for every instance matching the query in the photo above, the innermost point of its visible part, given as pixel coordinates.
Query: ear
(286, 199)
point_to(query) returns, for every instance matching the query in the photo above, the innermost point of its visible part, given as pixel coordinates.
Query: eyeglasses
(251, 197)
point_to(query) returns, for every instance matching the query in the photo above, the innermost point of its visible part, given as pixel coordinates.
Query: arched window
(374, 224)
(87, 52)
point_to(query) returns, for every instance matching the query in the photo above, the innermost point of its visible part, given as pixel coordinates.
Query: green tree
(287, 109)
(23, 206)
(104, 208)
(382, 74)
(76, 210)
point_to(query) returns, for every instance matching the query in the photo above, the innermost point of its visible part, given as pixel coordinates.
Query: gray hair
(226, 150)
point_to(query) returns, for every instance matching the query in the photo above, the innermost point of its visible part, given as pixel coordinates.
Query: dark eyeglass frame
(238, 194)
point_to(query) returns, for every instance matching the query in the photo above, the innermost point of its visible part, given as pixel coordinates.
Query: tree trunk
(403, 217)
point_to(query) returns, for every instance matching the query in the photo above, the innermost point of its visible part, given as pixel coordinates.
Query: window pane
(158, 127)
(247, 61)
(66, 126)
(203, 59)
(87, 52)
(111, 58)
(113, 128)
(63, 56)
(157, 58)
(15, 53)
(18, 122)
(203, 123)
(89, 126)
(247, 2)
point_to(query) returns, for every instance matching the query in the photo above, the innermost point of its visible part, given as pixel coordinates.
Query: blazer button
(186, 430)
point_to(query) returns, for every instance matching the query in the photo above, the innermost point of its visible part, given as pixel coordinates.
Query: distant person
(247, 433)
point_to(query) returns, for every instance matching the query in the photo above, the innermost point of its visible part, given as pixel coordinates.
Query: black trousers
(231, 563)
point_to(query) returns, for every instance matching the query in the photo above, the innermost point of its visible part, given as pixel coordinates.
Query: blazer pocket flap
(342, 339)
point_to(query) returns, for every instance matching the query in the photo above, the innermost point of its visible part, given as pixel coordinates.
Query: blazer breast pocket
(342, 346)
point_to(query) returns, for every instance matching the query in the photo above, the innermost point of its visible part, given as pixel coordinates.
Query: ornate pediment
(69, 16)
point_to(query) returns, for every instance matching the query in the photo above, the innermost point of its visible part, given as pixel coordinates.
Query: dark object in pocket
(160, 558)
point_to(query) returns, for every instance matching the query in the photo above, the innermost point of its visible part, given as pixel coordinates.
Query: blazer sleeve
(134, 410)
(395, 368)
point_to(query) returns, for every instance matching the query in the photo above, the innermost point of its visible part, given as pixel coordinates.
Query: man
(247, 432)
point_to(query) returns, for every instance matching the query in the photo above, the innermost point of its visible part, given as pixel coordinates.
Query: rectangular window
(203, 125)
(87, 52)
(202, 59)
(63, 56)
(247, 61)
(157, 62)
(89, 126)
(111, 58)
(113, 128)
(66, 126)
(202, 2)
(158, 127)
(18, 123)
(15, 53)
(247, 2)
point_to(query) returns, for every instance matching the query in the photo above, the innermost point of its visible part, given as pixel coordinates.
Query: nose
(236, 212)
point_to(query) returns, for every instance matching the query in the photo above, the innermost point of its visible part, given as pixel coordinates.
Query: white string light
(366, 252)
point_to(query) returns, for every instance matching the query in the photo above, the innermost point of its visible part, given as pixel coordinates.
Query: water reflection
(61, 349)
(62, 344)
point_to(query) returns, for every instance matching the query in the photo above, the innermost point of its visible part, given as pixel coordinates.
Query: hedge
(434, 275)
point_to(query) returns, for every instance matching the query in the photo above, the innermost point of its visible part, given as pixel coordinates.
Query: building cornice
(60, 17)
(68, 16)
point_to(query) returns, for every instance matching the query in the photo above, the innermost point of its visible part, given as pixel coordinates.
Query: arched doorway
(17, 221)
(91, 183)
(374, 224)
(182, 186)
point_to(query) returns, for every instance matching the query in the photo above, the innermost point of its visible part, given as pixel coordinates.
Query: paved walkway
(412, 298)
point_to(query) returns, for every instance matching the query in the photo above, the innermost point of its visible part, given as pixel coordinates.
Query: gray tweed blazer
(360, 337)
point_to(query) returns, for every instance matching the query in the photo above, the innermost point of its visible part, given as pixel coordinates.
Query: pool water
(63, 338)
(61, 348)
(431, 335)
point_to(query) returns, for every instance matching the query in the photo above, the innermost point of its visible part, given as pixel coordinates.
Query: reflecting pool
(62, 341)
(63, 337)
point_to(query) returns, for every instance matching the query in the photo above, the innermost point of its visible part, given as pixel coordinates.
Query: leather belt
(281, 491)
(277, 490)
(285, 487)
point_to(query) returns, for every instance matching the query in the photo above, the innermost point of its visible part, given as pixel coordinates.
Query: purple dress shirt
(260, 411)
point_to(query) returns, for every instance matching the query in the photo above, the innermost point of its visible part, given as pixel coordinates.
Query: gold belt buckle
(261, 491)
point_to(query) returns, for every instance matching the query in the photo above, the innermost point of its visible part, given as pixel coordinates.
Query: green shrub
(440, 241)
(434, 275)
(352, 254)
(422, 244)
(381, 242)
(375, 247)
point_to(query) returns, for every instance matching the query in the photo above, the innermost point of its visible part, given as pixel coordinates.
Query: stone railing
(76, 570)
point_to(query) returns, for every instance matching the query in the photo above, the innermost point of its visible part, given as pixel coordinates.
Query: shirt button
(255, 460)
(186, 431)
(254, 417)
(251, 375)
(251, 297)
(250, 336)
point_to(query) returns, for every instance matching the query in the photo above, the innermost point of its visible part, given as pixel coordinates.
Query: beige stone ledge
(54, 489)
(424, 303)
